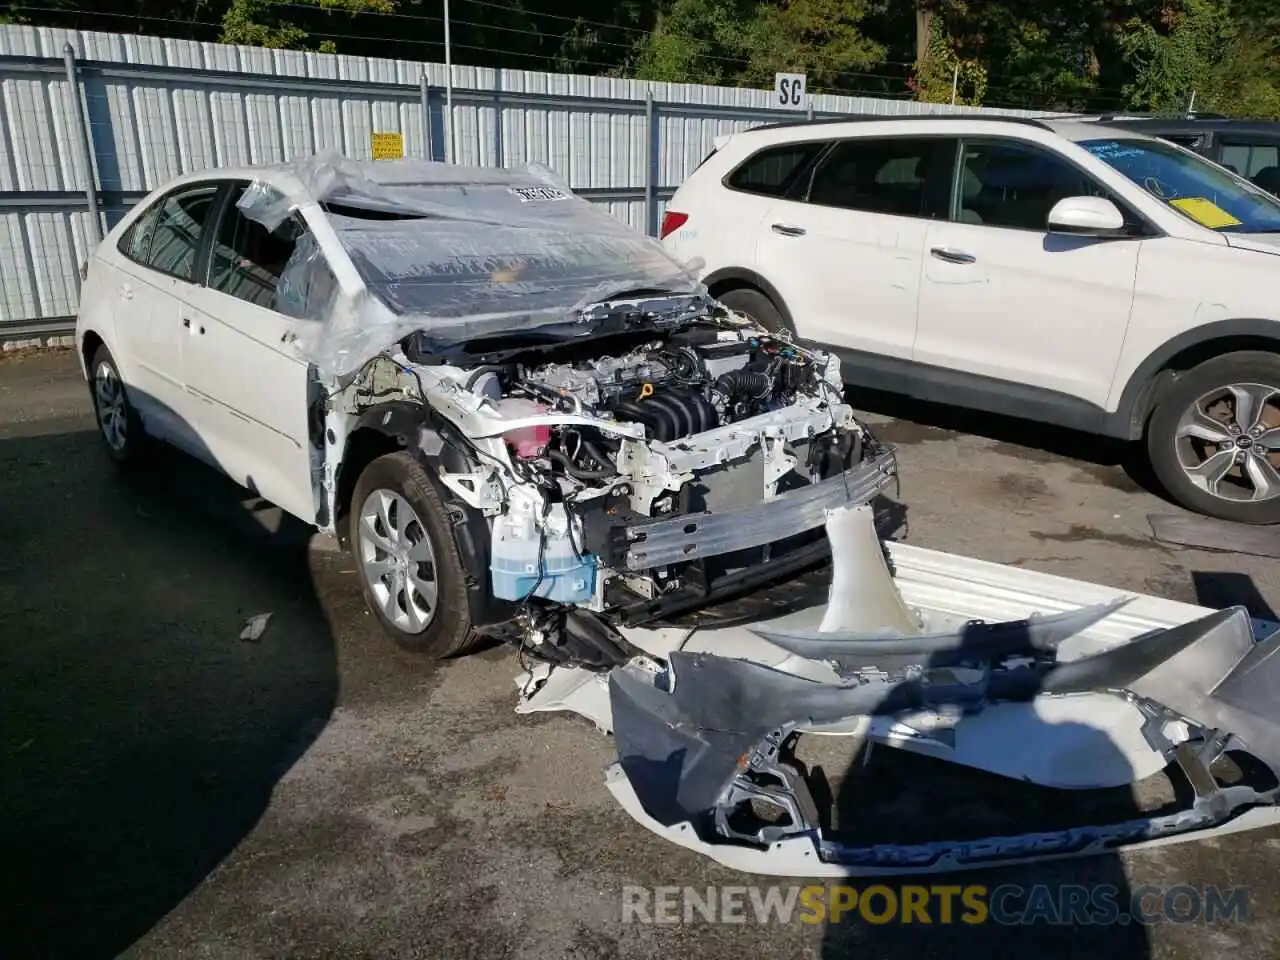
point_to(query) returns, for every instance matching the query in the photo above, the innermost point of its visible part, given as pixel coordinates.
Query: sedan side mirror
(1086, 217)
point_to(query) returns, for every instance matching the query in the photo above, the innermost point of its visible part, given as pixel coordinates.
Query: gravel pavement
(170, 790)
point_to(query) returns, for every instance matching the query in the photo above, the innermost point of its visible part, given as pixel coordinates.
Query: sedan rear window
(178, 231)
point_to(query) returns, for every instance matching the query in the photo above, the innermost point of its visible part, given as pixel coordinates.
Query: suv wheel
(1214, 439)
(412, 575)
(758, 307)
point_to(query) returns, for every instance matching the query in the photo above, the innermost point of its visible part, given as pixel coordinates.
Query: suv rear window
(772, 171)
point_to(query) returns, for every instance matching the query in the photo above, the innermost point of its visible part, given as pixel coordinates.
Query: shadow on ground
(1068, 908)
(1220, 590)
(140, 737)
(1125, 463)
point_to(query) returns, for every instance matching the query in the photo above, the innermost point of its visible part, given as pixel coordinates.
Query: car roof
(313, 178)
(1195, 125)
(1072, 128)
(445, 252)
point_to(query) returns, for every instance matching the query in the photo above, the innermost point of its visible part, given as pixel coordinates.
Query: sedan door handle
(186, 322)
(953, 256)
(787, 230)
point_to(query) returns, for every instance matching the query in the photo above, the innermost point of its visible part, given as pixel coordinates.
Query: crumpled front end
(708, 742)
(668, 455)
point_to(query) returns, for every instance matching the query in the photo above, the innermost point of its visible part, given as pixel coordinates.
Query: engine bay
(625, 476)
(693, 382)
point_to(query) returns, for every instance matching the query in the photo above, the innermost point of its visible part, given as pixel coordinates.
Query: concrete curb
(28, 344)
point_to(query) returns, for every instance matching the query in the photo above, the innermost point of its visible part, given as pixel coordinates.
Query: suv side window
(248, 259)
(1007, 184)
(772, 172)
(902, 176)
(167, 237)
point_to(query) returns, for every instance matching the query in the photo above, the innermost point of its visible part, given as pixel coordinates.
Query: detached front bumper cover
(710, 733)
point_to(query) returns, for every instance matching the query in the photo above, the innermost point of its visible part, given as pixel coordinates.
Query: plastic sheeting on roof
(454, 252)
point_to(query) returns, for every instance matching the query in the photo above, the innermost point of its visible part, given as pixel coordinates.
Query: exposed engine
(630, 473)
(694, 382)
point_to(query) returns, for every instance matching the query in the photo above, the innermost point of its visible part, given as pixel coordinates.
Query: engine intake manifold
(669, 415)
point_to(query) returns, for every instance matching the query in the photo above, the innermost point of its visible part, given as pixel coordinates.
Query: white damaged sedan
(523, 417)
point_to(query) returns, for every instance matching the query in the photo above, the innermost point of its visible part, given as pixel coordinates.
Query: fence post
(499, 141)
(651, 165)
(425, 90)
(82, 134)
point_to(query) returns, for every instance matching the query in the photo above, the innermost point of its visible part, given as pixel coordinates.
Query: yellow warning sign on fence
(388, 146)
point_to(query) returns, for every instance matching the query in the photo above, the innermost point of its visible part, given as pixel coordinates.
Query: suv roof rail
(1168, 117)
(877, 117)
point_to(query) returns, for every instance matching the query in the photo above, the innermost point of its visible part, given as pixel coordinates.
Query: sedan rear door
(159, 263)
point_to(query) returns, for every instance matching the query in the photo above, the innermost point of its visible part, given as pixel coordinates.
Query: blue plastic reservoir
(566, 577)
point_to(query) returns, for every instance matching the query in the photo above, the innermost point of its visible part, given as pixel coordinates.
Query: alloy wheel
(1228, 441)
(397, 561)
(113, 412)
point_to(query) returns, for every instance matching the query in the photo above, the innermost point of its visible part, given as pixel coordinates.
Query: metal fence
(91, 122)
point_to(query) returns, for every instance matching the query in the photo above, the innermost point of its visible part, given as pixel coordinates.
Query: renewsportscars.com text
(1009, 904)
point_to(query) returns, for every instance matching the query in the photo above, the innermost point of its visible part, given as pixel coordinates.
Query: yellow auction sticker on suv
(1205, 212)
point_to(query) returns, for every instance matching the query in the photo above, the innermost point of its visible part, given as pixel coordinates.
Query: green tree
(266, 23)
(1225, 54)
(940, 74)
(698, 41)
(744, 43)
(822, 39)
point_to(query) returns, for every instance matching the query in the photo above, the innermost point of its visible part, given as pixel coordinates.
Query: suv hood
(1258, 242)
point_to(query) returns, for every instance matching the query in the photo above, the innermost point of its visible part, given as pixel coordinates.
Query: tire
(1232, 467)
(758, 307)
(393, 593)
(118, 423)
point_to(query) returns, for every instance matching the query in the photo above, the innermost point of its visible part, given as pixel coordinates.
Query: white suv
(1060, 271)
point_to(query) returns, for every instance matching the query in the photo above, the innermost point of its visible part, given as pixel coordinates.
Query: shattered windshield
(1197, 189)
(453, 254)
(543, 262)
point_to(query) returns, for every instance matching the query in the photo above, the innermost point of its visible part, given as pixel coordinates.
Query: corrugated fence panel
(19, 295)
(158, 107)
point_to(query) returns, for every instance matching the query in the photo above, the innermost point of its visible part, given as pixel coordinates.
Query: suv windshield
(1191, 185)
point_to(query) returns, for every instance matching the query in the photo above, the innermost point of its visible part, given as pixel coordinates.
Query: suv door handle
(787, 230)
(125, 291)
(953, 256)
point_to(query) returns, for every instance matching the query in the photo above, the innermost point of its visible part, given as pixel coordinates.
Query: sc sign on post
(788, 88)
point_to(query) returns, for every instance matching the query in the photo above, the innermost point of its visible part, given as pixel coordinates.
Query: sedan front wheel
(412, 574)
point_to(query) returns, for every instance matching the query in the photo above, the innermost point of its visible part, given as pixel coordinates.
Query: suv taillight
(671, 222)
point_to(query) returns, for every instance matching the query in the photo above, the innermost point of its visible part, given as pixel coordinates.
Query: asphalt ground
(170, 790)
